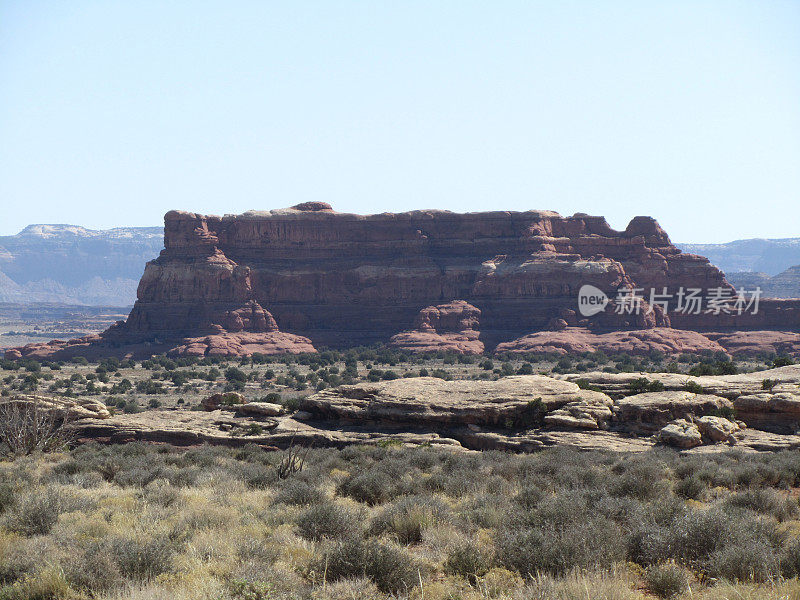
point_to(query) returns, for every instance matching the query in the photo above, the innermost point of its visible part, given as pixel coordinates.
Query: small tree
(27, 426)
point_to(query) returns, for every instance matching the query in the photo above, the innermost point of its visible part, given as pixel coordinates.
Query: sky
(112, 113)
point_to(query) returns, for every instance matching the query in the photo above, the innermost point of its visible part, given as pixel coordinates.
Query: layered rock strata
(248, 283)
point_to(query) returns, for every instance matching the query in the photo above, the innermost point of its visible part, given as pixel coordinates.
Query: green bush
(694, 387)
(584, 384)
(782, 361)
(641, 385)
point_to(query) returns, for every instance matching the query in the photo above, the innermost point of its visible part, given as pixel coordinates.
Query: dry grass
(148, 522)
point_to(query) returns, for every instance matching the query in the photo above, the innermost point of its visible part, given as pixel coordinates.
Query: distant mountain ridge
(71, 264)
(782, 285)
(755, 255)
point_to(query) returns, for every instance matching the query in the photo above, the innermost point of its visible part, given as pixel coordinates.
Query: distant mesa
(68, 264)
(306, 277)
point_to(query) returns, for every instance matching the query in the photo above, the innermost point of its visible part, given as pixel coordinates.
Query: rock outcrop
(753, 343)
(767, 400)
(247, 283)
(452, 327)
(645, 413)
(517, 413)
(66, 408)
(576, 340)
(507, 402)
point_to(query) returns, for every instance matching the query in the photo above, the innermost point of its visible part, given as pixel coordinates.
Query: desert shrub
(141, 558)
(390, 567)
(728, 543)
(691, 488)
(408, 517)
(749, 560)
(782, 361)
(255, 475)
(622, 510)
(530, 495)
(643, 481)
(372, 487)
(23, 557)
(138, 473)
(160, 492)
(257, 550)
(768, 384)
(131, 406)
(666, 580)
(7, 495)
(487, 510)
(92, 569)
(35, 512)
(531, 415)
(297, 491)
(251, 590)
(469, 561)
(47, 583)
(765, 501)
(27, 427)
(559, 510)
(584, 384)
(694, 387)
(329, 520)
(641, 385)
(595, 543)
(790, 559)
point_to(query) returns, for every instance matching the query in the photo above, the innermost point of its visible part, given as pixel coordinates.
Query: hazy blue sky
(111, 113)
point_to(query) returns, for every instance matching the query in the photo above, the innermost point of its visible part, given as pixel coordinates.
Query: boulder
(680, 434)
(717, 429)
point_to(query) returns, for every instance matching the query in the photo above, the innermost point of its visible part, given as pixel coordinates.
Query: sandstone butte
(306, 277)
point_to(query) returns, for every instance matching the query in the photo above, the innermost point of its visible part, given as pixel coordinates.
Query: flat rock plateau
(521, 413)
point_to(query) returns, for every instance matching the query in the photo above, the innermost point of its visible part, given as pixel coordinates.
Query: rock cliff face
(235, 284)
